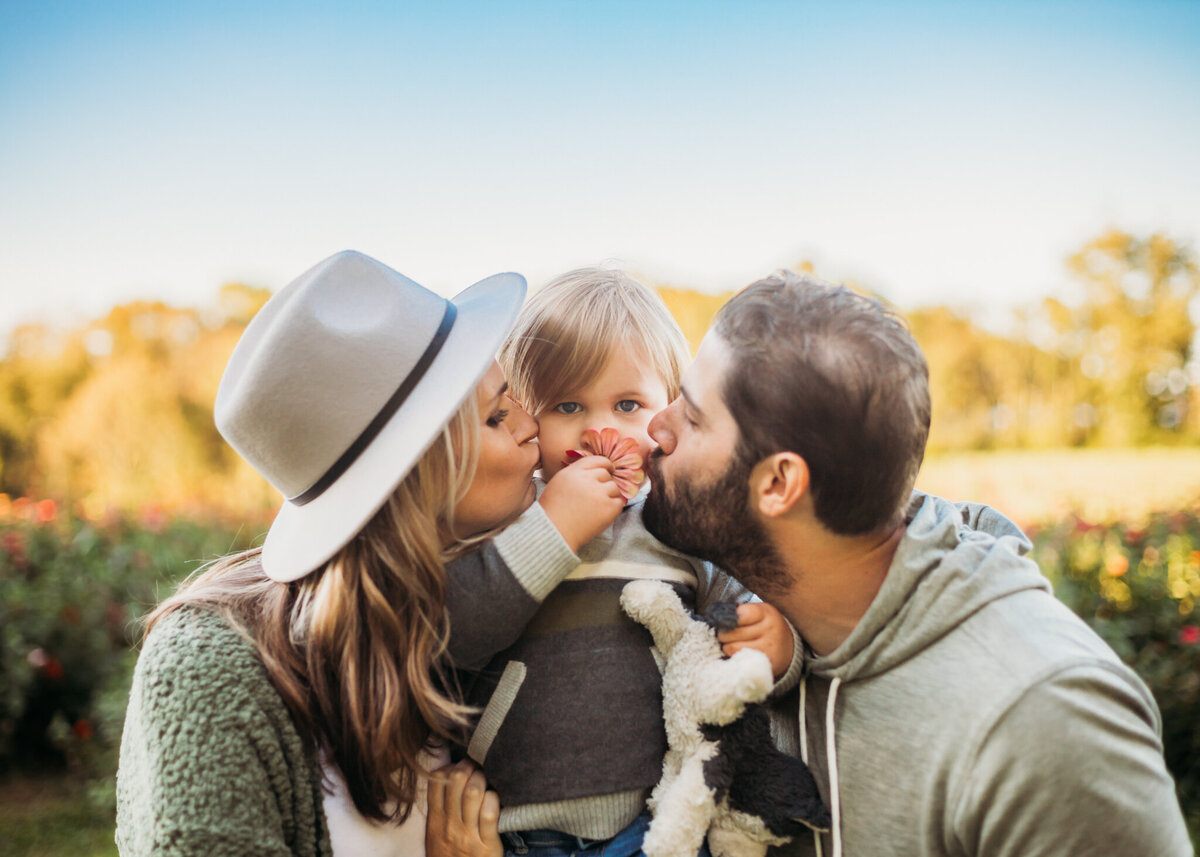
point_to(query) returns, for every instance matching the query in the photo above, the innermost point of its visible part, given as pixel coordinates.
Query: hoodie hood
(954, 559)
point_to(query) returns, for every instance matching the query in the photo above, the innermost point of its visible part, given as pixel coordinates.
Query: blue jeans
(554, 843)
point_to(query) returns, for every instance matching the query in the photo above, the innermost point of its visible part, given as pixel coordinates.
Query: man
(953, 706)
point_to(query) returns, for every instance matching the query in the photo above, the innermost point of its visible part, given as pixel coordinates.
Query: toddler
(571, 735)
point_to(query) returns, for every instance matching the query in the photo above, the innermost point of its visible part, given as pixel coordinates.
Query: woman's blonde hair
(567, 330)
(354, 647)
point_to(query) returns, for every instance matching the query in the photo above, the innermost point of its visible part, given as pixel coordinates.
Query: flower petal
(621, 451)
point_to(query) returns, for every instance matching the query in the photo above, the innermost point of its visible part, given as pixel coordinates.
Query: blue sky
(937, 152)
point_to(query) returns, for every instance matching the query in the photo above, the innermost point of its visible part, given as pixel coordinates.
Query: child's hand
(762, 627)
(582, 500)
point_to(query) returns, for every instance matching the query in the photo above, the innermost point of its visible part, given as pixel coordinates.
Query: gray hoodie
(971, 713)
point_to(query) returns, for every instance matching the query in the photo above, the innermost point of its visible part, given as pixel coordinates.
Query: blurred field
(1099, 485)
(47, 816)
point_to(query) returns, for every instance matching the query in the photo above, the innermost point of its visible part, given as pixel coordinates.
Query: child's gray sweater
(571, 735)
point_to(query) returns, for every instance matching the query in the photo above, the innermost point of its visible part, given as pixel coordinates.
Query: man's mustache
(653, 467)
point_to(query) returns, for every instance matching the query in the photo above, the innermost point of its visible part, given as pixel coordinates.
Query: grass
(48, 815)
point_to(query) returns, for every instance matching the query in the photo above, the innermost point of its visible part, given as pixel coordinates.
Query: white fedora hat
(340, 384)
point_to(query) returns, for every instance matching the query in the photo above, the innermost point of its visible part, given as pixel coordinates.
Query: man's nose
(660, 431)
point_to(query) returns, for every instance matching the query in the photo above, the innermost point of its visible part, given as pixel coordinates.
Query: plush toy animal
(722, 774)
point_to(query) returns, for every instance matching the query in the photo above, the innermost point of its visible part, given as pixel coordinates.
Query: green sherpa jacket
(211, 763)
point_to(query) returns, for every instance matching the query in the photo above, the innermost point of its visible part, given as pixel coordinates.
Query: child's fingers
(601, 469)
(749, 626)
(595, 462)
(751, 612)
(731, 649)
(740, 634)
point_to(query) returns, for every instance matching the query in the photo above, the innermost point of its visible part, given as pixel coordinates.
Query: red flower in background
(154, 518)
(53, 669)
(48, 665)
(1189, 635)
(1134, 535)
(83, 729)
(621, 451)
(45, 511)
(14, 545)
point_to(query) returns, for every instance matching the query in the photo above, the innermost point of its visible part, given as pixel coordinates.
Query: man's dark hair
(836, 378)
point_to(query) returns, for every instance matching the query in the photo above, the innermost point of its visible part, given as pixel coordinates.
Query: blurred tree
(693, 311)
(239, 302)
(119, 413)
(1130, 340)
(41, 369)
(139, 432)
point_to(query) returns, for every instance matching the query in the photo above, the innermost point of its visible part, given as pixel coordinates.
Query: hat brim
(301, 538)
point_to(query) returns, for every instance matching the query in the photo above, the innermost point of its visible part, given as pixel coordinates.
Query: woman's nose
(525, 427)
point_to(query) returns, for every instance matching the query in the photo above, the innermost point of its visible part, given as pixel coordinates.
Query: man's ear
(777, 483)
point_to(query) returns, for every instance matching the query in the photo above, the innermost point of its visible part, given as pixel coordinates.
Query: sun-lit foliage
(119, 414)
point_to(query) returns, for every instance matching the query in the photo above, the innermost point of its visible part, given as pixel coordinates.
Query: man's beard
(714, 522)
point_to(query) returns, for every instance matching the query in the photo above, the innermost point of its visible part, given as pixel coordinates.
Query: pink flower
(1189, 635)
(621, 451)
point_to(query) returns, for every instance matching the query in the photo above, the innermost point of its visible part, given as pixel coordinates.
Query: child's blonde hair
(568, 328)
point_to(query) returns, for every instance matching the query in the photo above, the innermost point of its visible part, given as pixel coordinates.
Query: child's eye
(626, 406)
(568, 408)
(495, 419)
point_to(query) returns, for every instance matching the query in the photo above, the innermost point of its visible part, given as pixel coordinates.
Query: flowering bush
(1138, 587)
(72, 589)
(71, 592)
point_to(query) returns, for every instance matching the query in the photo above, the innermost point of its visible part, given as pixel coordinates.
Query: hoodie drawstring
(835, 803)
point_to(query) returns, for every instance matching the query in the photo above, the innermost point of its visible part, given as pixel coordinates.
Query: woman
(377, 409)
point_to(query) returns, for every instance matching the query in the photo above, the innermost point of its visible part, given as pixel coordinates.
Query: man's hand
(761, 626)
(582, 500)
(463, 815)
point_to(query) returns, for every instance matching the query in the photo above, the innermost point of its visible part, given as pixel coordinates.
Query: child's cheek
(644, 444)
(550, 465)
(554, 441)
